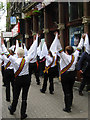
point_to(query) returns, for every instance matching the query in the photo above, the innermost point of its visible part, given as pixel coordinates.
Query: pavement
(45, 105)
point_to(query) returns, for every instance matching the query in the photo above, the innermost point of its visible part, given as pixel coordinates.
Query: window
(75, 35)
(41, 20)
(75, 10)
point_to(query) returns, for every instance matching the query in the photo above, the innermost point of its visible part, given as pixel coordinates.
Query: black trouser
(21, 82)
(41, 66)
(86, 80)
(67, 81)
(2, 70)
(9, 77)
(50, 75)
(33, 69)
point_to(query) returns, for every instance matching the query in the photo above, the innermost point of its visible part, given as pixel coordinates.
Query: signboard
(16, 30)
(12, 20)
(7, 34)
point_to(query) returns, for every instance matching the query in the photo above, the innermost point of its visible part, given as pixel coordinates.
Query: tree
(1, 6)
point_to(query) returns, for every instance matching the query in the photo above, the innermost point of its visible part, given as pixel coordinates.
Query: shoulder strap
(47, 68)
(68, 66)
(7, 65)
(20, 67)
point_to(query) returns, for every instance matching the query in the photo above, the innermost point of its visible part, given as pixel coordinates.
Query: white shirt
(16, 61)
(66, 59)
(1, 60)
(34, 60)
(16, 64)
(49, 60)
(6, 60)
(85, 43)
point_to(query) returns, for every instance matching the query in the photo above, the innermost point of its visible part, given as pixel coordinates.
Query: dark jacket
(84, 64)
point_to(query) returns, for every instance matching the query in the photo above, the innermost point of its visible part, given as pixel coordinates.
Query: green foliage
(8, 5)
(7, 16)
(1, 6)
(7, 24)
(28, 16)
(36, 11)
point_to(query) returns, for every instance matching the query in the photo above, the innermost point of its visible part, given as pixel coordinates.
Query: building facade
(69, 19)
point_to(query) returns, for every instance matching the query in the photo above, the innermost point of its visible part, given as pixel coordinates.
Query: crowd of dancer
(18, 64)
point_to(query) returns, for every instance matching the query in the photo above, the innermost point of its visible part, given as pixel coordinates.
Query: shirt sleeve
(79, 47)
(30, 56)
(25, 50)
(1, 58)
(4, 49)
(5, 58)
(81, 44)
(48, 58)
(13, 61)
(63, 55)
(76, 53)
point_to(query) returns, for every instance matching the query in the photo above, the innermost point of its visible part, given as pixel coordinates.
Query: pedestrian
(22, 79)
(49, 72)
(8, 74)
(68, 61)
(9, 77)
(84, 66)
(41, 58)
(2, 71)
(33, 65)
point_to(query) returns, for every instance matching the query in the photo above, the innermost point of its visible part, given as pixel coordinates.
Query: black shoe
(9, 108)
(23, 116)
(38, 83)
(42, 91)
(51, 93)
(8, 100)
(67, 110)
(4, 85)
(80, 93)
